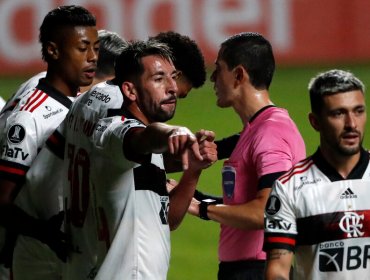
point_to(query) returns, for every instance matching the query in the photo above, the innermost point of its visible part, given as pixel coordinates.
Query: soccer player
(319, 211)
(42, 195)
(70, 46)
(118, 205)
(189, 60)
(269, 145)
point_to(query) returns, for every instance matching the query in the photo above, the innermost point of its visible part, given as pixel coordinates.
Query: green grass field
(194, 244)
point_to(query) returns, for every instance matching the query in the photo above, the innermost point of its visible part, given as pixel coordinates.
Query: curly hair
(188, 58)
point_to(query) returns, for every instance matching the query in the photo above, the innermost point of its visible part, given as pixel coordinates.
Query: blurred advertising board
(301, 31)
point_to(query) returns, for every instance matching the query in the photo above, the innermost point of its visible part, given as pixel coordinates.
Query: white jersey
(37, 114)
(22, 91)
(5, 109)
(117, 209)
(323, 218)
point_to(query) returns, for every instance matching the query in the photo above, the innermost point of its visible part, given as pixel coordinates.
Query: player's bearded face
(159, 110)
(343, 122)
(157, 89)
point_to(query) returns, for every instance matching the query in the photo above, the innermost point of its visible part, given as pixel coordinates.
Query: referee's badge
(228, 180)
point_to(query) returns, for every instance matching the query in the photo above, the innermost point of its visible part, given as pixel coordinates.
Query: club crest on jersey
(352, 224)
(273, 205)
(16, 134)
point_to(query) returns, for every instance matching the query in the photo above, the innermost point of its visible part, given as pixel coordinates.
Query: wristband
(203, 208)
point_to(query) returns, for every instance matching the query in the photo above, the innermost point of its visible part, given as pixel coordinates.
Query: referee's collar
(356, 173)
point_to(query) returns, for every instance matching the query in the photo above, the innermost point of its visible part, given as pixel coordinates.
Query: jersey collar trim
(356, 173)
(259, 112)
(54, 93)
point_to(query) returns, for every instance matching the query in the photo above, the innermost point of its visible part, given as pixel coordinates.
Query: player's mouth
(351, 137)
(90, 72)
(170, 102)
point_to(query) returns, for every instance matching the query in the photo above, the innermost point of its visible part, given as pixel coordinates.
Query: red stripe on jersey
(13, 170)
(31, 98)
(295, 167)
(295, 172)
(284, 240)
(39, 103)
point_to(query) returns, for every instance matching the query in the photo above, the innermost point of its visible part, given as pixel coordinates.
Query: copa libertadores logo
(16, 134)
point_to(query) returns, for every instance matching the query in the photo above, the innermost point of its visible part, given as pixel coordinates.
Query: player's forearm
(152, 139)
(181, 196)
(248, 216)
(278, 264)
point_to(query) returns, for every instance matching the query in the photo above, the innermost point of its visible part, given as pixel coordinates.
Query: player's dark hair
(129, 65)
(254, 53)
(60, 17)
(188, 58)
(331, 82)
(110, 47)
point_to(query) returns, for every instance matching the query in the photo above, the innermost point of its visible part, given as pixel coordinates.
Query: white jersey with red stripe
(117, 209)
(24, 90)
(6, 109)
(323, 218)
(28, 126)
(37, 114)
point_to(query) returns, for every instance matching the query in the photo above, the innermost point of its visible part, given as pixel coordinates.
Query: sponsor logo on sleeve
(16, 134)
(16, 153)
(53, 113)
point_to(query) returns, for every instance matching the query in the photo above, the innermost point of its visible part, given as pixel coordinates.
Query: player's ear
(239, 74)
(52, 50)
(315, 123)
(129, 91)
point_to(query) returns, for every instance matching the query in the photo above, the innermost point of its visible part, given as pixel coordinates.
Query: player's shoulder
(298, 173)
(100, 98)
(106, 94)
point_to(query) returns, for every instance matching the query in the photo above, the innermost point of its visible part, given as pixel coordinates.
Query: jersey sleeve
(19, 146)
(280, 220)
(273, 149)
(113, 138)
(56, 141)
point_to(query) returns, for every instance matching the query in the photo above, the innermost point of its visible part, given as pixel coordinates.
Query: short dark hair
(129, 65)
(254, 53)
(331, 82)
(110, 47)
(188, 58)
(60, 17)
